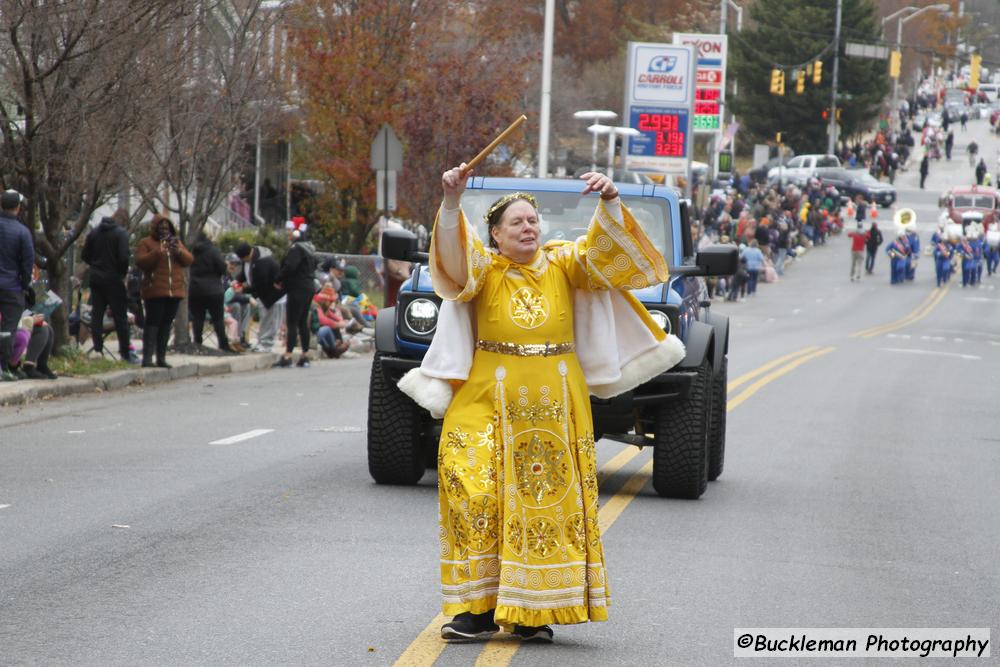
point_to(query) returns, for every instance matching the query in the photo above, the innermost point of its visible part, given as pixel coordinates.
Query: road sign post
(386, 160)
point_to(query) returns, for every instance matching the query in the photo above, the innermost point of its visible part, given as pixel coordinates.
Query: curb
(26, 391)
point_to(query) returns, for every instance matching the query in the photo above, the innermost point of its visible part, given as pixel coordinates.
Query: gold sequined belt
(527, 349)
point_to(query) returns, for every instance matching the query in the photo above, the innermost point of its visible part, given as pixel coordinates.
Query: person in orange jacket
(162, 257)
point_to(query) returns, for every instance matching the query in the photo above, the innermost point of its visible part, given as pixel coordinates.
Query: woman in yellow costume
(517, 468)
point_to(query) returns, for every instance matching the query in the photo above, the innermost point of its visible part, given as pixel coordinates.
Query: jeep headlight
(421, 316)
(661, 320)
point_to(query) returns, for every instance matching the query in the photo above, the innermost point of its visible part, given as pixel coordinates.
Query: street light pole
(912, 12)
(613, 134)
(832, 143)
(594, 115)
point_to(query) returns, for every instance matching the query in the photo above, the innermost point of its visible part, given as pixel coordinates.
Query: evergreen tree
(787, 33)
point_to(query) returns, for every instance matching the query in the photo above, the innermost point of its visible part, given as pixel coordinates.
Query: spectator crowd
(299, 298)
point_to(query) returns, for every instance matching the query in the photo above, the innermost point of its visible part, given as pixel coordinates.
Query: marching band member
(992, 248)
(942, 260)
(898, 251)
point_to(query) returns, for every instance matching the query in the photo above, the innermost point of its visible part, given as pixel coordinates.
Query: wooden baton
(474, 162)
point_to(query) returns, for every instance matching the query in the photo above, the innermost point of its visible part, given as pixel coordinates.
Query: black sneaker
(469, 627)
(303, 362)
(540, 635)
(34, 374)
(284, 362)
(47, 373)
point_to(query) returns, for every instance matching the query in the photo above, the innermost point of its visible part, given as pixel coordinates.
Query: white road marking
(75, 432)
(796, 311)
(981, 299)
(242, 436)
(971, 357)
(968, 333)
(3, 507)
(936, 339)
(339, 429)
(959, 340)
(244, 404)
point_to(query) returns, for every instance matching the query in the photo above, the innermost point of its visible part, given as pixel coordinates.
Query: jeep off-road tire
(395, 454)
(680, 459)
(717, 426)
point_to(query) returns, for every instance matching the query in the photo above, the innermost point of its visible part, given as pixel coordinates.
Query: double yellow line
(427, 647)
(929, 303)
(796, 359)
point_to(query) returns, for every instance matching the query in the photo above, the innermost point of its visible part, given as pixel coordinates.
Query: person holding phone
(162, 257)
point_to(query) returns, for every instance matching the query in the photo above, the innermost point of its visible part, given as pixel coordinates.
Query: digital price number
(671, 132)
(706, 109)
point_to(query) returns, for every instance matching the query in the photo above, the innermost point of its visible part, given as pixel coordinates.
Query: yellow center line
(427, 647)
(766, 367)
(617, 463)
(913, 318)
(735, 401)
(917, 314)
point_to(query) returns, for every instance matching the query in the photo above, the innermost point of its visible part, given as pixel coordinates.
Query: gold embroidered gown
(516, 461)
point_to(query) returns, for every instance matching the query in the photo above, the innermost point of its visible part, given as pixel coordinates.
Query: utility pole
(831, 146)
(543, 122)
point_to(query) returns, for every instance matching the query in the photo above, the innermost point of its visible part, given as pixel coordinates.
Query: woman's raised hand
(598, 182)
(453, 184)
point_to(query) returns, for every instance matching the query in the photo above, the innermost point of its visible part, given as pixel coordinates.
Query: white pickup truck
(801, 167)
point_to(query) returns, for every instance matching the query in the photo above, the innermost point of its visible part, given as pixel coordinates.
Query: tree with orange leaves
(420, 66)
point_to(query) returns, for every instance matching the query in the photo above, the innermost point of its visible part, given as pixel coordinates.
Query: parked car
(681, 413)
(970, 203)
(759, 174)
(853, 182)
(801, 167)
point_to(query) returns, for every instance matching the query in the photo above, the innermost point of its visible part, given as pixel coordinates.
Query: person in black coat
(259, 278)
(297, 279)
(205, 291)
(106, 251)
(872, 244)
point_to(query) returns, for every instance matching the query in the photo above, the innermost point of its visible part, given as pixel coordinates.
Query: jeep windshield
(973, 201)
(566, 215)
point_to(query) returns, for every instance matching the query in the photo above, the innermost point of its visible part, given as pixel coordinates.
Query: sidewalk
(184, 366)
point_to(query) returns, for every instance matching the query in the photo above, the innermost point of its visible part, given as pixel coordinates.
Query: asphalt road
(860, 490)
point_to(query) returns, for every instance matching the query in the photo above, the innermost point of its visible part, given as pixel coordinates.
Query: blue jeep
(681, 412)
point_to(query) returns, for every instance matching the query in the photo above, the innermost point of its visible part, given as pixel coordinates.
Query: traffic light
(895, 61)
(800, 82)
(817, 72)
(826, 114)
(974, 66)
(777, 82)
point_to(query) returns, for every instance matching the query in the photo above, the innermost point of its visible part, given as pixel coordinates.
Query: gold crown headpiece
(506, 199)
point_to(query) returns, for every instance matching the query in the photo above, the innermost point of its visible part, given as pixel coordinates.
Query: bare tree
(227, 90)
(74, 85)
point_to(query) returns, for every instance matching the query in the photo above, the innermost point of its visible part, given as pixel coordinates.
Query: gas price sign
(706, 108)
(710, 78)
(659, 96)
(664, 133)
